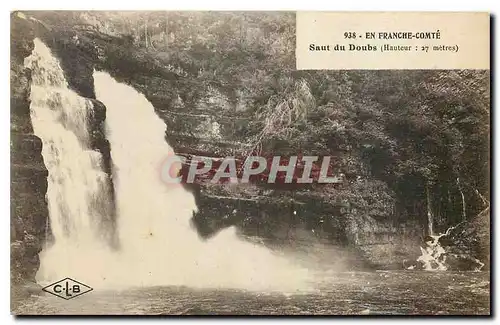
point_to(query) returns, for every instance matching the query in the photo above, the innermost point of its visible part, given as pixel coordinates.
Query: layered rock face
(29, 212)
(290, 214)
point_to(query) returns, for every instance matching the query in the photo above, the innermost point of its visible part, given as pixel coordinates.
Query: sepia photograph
(186, 163)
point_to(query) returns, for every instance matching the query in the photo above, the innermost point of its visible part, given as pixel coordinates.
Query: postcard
(250, 163)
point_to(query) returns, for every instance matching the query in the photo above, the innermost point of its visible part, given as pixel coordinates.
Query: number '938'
(349, 35)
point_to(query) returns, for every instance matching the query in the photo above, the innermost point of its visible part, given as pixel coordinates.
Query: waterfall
(76, 183)
(157, 245)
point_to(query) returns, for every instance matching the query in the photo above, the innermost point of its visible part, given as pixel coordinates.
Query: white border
(293, 5)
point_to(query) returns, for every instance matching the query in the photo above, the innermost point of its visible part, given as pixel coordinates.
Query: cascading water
(157, 245)
(76, 182)
(434, 255)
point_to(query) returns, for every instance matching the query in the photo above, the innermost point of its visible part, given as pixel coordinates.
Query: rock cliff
(29, 214)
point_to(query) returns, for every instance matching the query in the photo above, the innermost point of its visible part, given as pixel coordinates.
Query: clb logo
(67, 288)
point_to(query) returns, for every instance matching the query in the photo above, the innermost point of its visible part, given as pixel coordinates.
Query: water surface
(380, 292)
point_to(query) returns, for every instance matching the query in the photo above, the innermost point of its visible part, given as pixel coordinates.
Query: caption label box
(393, 40)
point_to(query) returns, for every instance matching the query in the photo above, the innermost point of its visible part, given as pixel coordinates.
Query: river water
(346, 293)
